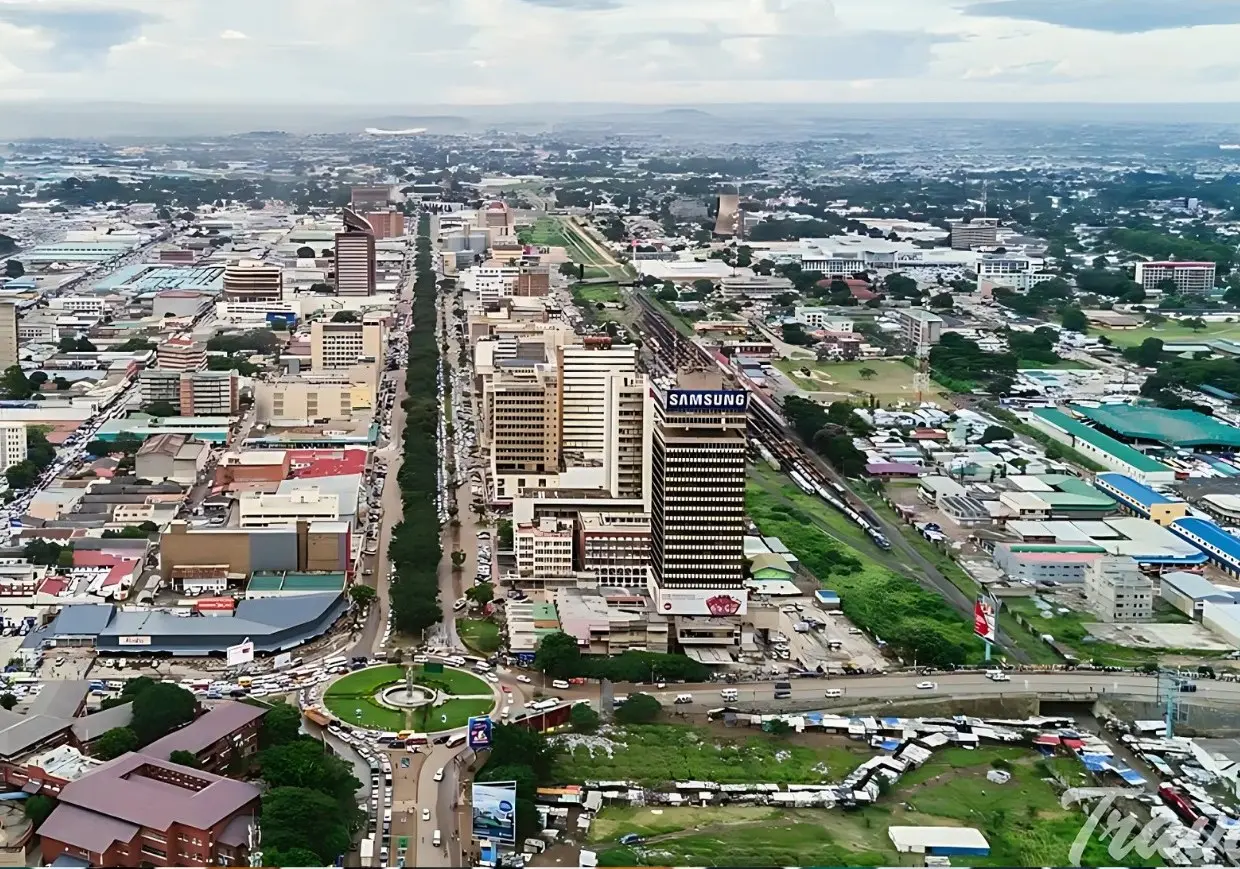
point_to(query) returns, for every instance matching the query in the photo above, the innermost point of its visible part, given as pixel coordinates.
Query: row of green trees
(560, 658)
(158, 709)
(309, 810)
(415, 549)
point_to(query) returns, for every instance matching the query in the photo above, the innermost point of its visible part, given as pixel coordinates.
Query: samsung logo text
(717, 400)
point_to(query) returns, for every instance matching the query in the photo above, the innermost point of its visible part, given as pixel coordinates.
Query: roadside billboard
(701, 602)
(283, 661)
(495, 811)
(986, 620)
(480, 732)
(242, 653)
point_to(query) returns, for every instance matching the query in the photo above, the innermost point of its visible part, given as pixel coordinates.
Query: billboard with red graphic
(986, 619)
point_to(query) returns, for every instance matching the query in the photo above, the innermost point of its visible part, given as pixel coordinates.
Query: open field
(1169, 331)
(595, 293)
(768, 488)
(654, 754)
(546, 232)
(481, 635)
(892, 381)
(351, 698)
(1022, 820)
(1061, 365)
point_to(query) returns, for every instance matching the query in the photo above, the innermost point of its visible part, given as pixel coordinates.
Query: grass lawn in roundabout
(359, 692)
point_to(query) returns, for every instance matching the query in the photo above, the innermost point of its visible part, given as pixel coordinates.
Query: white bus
(333, 663)
(368, 851)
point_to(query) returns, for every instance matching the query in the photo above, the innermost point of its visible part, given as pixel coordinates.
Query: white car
(927, 686)
(439, 774)
(524, 680)
(426, 814)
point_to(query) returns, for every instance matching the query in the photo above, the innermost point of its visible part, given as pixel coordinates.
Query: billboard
(283, 660)
(480, 732)
(242, 653)
(495, 811)
(687, 400)
(986, 619)
(701, 602)
(133, 641)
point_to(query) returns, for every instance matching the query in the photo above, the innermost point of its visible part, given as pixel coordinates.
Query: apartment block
(370, 197)
(626, 456)
(521, 407)
(533, 281)
(181, 353)
(192, 393)
(386, 224)
(497, 218)
(8, 335)
(978, 232)
(919, 326)
(1116, 591)
(12, 444)
(1188, 277)
(545, 550)
(345, 345)
(586, 371)
(822, 318)
(253, 281)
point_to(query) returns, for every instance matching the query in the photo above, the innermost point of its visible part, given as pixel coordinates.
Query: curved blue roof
(1129, 488)
(1226, 544)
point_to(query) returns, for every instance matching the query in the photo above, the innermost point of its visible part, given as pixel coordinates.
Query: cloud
(1039, 72)
(1113, 16)
(82, 36)
(233, 35)
(577, 5)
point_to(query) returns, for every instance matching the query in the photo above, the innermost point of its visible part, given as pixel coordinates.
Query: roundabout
(391, 697)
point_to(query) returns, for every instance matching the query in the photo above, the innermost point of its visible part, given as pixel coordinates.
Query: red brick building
(227, 733)
(140, 810)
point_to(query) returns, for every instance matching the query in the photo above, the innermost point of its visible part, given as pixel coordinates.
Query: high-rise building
(978, 232)
(497, 218)
(386, 224)
(697, 506)
(8, 335)
(343, 345)
(12, 444)
(355, 257)
(251, 280)
(586, 370)
(522, 413)
(181, 353)
(1189, 278)
(209, 393)
(371, 197)
(628, 428)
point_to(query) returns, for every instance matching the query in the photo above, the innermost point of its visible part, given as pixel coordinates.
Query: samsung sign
(703, 399)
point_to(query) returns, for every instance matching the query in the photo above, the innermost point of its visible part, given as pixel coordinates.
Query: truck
(368, 851)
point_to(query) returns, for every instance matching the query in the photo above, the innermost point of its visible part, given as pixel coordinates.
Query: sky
(487, 52)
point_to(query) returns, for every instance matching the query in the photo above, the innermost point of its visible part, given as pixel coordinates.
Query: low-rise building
(1117, 591)
(545, 550)
(171, 457)
(753, 286)
(614, 547)
(265, 510)
(226, 734)
(827, 319)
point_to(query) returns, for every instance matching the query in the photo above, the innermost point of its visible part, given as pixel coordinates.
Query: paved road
(447, 805)
(1074, 685)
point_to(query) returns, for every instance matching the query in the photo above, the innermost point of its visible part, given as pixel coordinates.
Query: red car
(505, 689)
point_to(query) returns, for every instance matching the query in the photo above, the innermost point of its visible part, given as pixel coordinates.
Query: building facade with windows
(1190, 278)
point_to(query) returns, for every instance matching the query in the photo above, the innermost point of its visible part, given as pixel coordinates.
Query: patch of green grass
(481, 635)
(545, 232)
(595, 293)
(654, 754)
(355, 693)
(768, 488)
(892, 381)
(1022, 820)
(1170, 332)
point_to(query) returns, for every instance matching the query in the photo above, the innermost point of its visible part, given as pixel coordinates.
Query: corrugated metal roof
(223, 719)
(1098, 440)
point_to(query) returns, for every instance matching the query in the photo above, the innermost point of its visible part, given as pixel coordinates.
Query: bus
(454, 741)
(333, 663)
(368, 850)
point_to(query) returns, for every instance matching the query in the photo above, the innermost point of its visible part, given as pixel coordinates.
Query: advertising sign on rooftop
(725, 400)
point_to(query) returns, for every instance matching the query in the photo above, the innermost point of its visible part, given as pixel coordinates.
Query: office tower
(181, 353)
(8, 335)
(209, 393)
(355, 257)
(497, 218)
(522, 415)
(586, 370)
(1188, 277)
(343, 345)
(253, 281)
(979, 232)
(919, 326)
(12, 444)
(628, 427)
(386, 224)
(697, 507)
(370, 197)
